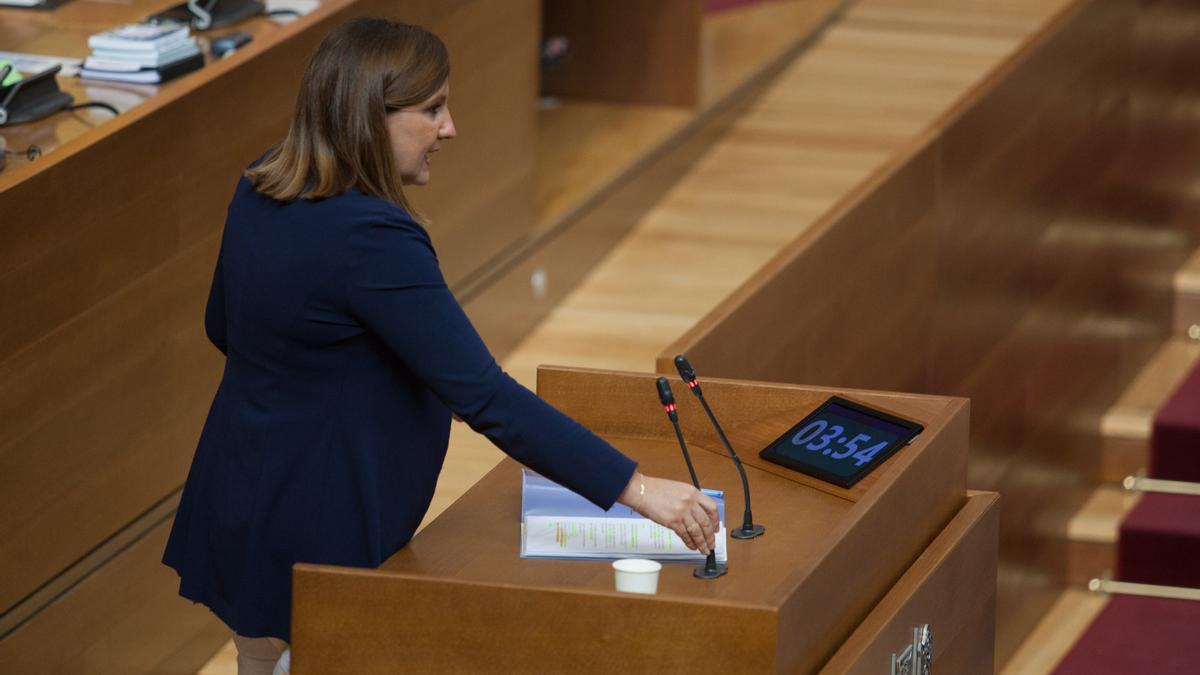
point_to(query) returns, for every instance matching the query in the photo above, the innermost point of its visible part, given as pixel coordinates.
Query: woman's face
(417, 132)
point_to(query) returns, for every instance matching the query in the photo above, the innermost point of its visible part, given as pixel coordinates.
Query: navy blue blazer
(345, 356)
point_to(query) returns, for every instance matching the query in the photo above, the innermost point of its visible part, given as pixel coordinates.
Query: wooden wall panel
(1047, 221)
(469, 627)
(480, 199)
(627, 51)
(103, 419)
(65, 363)
(1045, 313)
(125, 618)
(933, 591)
(1167, 57)
(858, 299)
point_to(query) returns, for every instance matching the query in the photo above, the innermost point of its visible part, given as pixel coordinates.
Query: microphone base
(748, 531)
(703, 572)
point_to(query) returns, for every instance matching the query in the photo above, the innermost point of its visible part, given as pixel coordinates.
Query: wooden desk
(459, 598)
(63, 32)
(217, 120)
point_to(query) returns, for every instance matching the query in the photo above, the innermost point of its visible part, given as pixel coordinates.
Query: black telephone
(32, 98)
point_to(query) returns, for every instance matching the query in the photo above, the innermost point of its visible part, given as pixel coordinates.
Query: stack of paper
(142, 52)
(557, 523)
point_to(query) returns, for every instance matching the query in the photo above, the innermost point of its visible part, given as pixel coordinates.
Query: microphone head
(664, 392)
(685, 370)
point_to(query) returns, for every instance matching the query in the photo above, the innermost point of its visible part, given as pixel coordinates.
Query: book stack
(142, 52)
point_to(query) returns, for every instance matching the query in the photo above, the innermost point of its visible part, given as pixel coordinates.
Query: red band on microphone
(670, 407)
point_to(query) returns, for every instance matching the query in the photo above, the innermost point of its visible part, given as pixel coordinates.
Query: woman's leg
(284, 665)
(257, 656)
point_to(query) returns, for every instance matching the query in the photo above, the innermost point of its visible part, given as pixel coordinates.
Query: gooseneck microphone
(748, 530)
(668, 400)
(711, 569)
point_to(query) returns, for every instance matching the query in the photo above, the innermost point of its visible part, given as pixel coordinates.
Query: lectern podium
(839, 581)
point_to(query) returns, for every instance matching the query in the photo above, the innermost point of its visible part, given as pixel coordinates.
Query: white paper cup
(637, 575)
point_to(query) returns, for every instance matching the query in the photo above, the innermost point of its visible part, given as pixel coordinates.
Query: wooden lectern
(839, 581)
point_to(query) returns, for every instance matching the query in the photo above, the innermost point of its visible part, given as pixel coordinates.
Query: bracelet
(641, 495)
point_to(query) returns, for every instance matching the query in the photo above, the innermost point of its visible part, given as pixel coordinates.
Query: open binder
(557, 523)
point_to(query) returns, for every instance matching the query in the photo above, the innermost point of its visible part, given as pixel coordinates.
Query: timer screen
(841, 441)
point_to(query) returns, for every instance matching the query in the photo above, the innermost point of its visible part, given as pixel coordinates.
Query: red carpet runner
(1139, 635)
(1175, 445)
(1160, 542)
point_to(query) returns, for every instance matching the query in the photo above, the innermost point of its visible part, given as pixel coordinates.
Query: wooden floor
(879, 78)
(579, 141)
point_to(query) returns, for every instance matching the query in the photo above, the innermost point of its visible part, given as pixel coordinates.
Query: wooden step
(1125, 428)
(1056, 633)
(1092, 533)
(1124, 449)
(1187, 298)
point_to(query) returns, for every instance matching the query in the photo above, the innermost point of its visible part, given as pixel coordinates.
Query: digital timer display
(841, 441)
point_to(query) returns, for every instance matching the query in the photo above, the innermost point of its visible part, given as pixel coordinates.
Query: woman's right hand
(679, 506)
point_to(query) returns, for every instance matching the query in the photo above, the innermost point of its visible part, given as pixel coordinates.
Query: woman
(347, 354)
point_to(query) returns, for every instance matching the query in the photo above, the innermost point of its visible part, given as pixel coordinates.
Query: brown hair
(364, 69)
